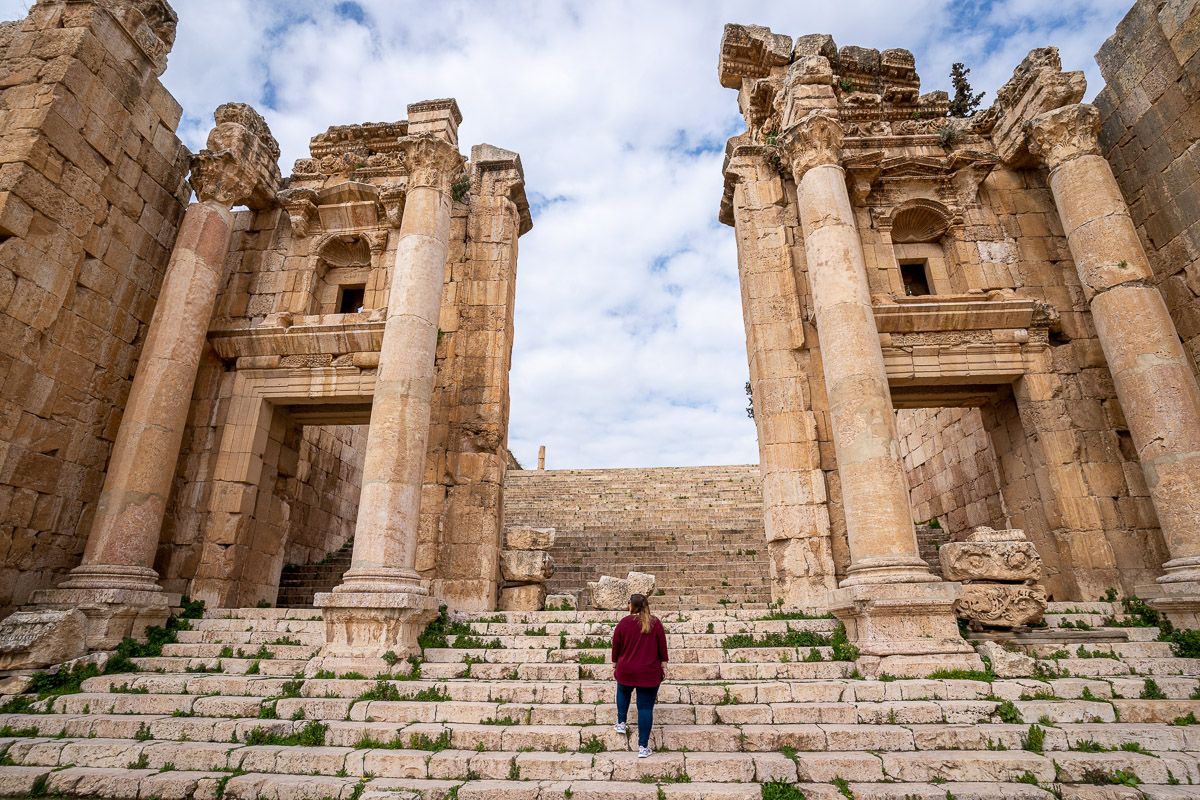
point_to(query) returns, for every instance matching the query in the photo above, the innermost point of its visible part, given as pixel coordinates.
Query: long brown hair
(640, 605)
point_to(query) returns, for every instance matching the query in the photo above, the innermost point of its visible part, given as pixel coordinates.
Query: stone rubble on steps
(532, 718)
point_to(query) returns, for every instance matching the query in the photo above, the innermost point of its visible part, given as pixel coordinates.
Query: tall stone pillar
(1154, 382)
(896, 611)
(382, 602)
(116, 585)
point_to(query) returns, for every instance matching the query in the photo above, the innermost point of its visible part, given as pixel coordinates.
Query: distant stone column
(116, 585)
(895, 610)
(382, 602)
(541, 457)
(1154, 382)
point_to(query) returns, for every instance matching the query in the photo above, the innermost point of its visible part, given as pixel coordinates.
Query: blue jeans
(645, 708)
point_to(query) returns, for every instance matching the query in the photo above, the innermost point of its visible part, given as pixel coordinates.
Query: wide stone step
(713, 766)
(177, 785)
(284, 652)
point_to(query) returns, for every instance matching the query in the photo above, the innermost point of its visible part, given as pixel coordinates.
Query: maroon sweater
(639, 656)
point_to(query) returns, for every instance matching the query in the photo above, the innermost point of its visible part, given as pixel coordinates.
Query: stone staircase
(518, 706)
(299, 582)
(699, 530)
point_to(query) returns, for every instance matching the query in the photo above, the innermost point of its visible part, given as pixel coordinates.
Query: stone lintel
(955, 315)
(302, 335)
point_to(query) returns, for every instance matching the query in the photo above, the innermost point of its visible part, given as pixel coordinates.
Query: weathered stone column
(895, 610)
(116, 585)
(1150, 370)
(381, 602)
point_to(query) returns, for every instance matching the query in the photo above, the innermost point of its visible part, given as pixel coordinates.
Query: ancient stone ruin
(975, 336)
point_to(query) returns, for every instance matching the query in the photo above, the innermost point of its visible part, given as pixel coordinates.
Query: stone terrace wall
(91, 195)
(693, 527)
(1150, 132)
(952, 469)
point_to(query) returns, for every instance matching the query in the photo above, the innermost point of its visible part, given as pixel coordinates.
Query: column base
(118, 602)
(1179, 597)
(366, 625)
(906, 630)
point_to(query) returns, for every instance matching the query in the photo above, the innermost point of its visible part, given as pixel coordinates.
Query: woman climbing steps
(639, 650)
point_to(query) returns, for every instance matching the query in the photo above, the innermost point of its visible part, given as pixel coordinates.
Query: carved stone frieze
(990, 561)
(999, 605)
(432, 161)
(1065, 133)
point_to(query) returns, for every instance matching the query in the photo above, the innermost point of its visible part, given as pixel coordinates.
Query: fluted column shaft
(1154, 381)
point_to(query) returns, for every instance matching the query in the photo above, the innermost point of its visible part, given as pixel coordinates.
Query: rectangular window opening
(915, 277)
(351, 298)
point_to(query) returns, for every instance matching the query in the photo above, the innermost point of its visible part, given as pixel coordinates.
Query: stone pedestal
(116, 585)
(904, 629)
(895, 610)
(382, 603)
(1151, 371)
(368, 624)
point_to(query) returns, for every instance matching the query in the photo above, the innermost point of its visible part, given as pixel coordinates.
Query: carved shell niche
(346, 251)
(918, 224)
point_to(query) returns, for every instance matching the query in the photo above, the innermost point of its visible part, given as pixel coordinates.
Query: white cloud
(629, 340)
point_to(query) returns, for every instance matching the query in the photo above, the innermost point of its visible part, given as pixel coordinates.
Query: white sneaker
(620, 727)
(644, 752)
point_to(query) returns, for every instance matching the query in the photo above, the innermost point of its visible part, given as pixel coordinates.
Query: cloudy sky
(629, 341)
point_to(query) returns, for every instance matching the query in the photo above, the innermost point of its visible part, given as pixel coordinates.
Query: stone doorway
(285, 488)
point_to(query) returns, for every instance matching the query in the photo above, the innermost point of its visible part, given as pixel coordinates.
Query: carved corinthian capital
(431, 161)
(240, 165)
(814, 141)
(1065, 133)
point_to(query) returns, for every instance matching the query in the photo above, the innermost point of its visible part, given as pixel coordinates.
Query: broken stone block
(522, 537)
(36, 639)
(612, 594)
(530, 597)
(526, 566)
(1006, 664)
(1000, 605)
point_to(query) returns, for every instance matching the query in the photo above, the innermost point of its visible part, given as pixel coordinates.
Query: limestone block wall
(1150, 133)
(91, 195)
(952, 469)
